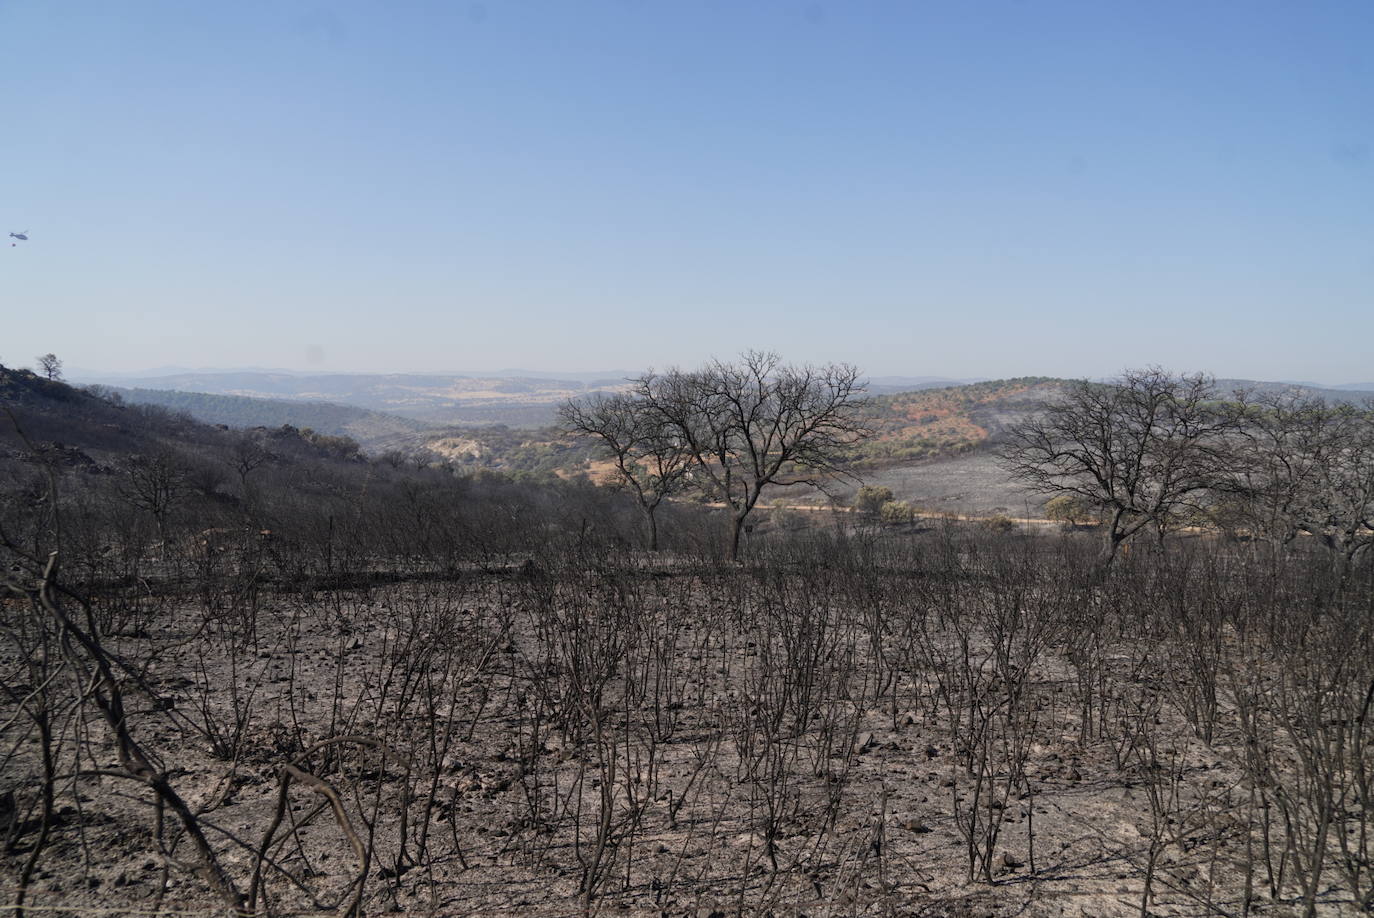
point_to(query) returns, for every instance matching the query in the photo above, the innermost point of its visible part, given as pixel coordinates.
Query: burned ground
(951, 723)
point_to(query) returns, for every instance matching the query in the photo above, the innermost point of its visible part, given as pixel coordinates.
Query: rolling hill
(933, 445)
(374, 430)
(451, 399)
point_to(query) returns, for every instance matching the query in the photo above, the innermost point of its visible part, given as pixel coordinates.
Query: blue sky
(960, 189)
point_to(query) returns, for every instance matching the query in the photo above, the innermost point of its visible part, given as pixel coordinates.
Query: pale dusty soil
(325, 666)
(971, 485)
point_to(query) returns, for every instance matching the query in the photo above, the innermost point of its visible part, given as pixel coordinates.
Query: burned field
(957, 722)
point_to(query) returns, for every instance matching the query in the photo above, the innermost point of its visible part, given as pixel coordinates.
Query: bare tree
(649, 459)
(1280, 445)
(50, 366)
(1306, 466)
(155, 483)
(1144, 449)
(758, 423)
(1340, 512)
(248, 454)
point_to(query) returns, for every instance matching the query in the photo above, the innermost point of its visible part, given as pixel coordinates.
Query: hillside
(153, 475)
(931, 446)
(451, 399)
(936, 447)
(935, 423)
(943, 422)
(543, 452)
(372, 429)
(916, 417)
(97, 431)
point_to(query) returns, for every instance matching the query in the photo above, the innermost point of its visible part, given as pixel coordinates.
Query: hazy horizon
(82, 374)
(947, 190)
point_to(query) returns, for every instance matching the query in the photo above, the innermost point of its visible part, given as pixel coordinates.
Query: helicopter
(23, 236)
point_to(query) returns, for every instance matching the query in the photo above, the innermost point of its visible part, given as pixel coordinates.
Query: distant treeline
(510, 414)
(246, 411)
